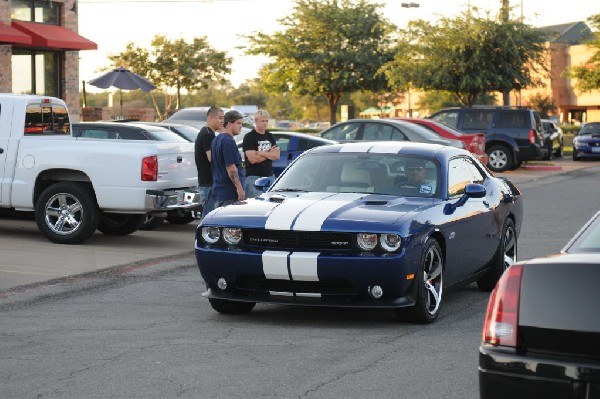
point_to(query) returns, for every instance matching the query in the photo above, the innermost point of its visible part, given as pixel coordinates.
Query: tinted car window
(477, 119)
(377, 132)
(449, 118)
(345, 131)
(47, 119)
(513, 119)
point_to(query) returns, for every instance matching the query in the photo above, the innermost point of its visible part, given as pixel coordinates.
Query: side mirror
(262, 183)
(472, 190)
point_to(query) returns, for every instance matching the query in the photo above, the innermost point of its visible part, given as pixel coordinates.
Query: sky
(113, 23)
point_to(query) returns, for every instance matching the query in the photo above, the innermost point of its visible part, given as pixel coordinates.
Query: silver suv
(512, 134)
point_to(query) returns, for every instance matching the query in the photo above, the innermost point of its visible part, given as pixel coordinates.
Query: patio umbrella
(122, 79)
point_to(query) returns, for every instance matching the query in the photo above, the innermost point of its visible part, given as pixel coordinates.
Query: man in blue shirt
(227, 170)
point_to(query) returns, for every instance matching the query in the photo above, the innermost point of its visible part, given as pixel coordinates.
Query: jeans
(206, 199)
(249, 188)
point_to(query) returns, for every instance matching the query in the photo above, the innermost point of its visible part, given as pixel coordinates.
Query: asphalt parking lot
(28, 260)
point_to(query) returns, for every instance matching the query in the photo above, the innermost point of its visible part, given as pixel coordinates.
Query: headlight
(390, 242)
(210, 234)
(232, 235)
(366, 241)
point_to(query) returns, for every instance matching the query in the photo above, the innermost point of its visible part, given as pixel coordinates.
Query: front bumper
(159, 200)
(504, 374)
(308, 278)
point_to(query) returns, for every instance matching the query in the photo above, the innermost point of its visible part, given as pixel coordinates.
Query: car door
(469, 231)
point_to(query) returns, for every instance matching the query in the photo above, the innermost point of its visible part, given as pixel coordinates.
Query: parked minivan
(512, 134)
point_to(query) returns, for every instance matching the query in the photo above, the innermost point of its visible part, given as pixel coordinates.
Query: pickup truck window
(46, 119)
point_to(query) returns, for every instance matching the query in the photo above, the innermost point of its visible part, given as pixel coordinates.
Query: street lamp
(409, 110)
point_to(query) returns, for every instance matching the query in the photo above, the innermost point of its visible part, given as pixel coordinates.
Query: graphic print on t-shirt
(264, 145)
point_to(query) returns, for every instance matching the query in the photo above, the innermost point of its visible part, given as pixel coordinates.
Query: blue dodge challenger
(372, 224)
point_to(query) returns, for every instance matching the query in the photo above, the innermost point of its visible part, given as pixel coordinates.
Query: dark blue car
(587, 142)
(371, 224)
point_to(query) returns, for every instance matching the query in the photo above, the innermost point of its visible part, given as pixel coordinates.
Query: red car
(474, 142)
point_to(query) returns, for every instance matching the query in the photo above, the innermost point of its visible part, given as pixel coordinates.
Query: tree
(175, 65)
(588, 74)
(469, 56)
(328, 47)
(543, 104)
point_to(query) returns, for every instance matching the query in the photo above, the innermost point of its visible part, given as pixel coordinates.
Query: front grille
(313, 240)
(333, 287)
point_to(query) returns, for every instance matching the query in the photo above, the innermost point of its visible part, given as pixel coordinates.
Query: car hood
(318, 211)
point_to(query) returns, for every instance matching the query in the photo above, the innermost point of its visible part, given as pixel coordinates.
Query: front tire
(506, 255)
(499, 158)
(575, 155)
(120, 224)
(429, 288)
(67, 213)
(231, 307)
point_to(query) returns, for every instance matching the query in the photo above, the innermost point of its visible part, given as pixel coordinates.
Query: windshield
(589, 128)
(190, 115)
(388, 174)
(588, 239)
(162, 134)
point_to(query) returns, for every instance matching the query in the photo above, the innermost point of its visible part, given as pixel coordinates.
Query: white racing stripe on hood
(359, 147)
(282, 217)
(314, 216)
(303, 266)
(383, 148)
(275, 265)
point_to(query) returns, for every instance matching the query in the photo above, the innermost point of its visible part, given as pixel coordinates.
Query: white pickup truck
(74, 186)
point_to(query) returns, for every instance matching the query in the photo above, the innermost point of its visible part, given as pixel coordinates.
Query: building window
(36, 72)
(44, 12)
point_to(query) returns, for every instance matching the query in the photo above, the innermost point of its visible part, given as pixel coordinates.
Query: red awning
(53, 36)
(13, 36)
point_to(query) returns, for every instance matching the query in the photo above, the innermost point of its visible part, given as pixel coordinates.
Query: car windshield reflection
(371, 173)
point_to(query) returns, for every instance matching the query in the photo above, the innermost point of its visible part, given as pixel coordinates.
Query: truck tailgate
(176, 165)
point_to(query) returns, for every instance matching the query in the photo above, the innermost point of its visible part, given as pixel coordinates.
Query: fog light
(222, 284)
(376, 291)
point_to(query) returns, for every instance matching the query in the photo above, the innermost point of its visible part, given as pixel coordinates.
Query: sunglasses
(414, 168)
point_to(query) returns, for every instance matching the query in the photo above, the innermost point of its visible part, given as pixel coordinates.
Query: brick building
(39, 49)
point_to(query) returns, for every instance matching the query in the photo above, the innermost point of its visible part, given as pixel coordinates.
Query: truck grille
(313, 240)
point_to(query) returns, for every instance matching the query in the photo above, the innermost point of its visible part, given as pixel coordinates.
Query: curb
(542, 167)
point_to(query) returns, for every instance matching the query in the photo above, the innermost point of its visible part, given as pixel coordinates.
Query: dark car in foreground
(291, 145)
(366, 225)
(587, 142)
(541, 335)
(385, 130)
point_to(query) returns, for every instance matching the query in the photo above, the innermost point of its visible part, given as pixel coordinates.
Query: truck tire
(120, 224)
(499, 158)
(67, 213)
